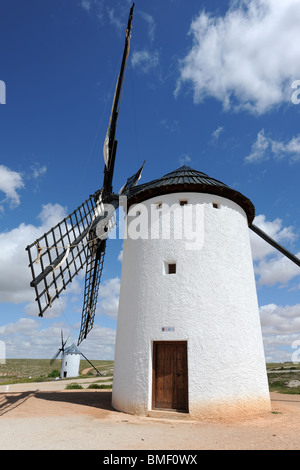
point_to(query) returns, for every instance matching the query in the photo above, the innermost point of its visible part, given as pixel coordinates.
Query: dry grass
(37, 370)
(280, 375)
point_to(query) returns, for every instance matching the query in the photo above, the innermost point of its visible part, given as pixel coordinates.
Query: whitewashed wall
(70, 364)
(210, 302)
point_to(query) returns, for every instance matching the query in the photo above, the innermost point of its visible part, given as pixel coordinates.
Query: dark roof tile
(186, 179)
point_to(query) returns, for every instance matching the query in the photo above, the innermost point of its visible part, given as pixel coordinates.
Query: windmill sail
(132, 181)
(110, 144)
(94, 269)
(58, 255)
(61, 350)
(79, 240)
(95, 261)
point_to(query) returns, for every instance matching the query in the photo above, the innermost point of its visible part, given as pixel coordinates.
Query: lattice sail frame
(57, 256)
(80, 239)
(94, 268)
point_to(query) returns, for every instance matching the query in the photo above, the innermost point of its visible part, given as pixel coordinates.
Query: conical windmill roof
(72, 350)
(186, 179)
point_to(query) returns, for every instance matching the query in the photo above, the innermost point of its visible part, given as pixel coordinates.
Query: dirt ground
(44, 416)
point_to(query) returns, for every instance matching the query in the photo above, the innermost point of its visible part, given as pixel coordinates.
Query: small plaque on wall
(168, 328)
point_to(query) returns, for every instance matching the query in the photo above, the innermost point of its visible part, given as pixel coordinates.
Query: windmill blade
(110, 143)
(132, 181)
(80, 239)
(62, 341)
(55, 357)
(58, 255)
(276, 245)
(92, 281)
(95, 261)
(84, 357)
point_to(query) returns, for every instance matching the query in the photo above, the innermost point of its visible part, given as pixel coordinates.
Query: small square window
(158, 205)
(183, 202)
(172, 268)
(216, 205)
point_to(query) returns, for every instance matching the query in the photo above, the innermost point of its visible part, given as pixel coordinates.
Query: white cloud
(93, 6)
(109, 292)
(10, 183)
(14, 271)
(100, 344)
(280, 320)
(50, 215)
(259, 148)
(145, 60)
(38, 171)
(114, 20)
(28, 339)
(246, 59)
(25, 339)
(275, 229)
(216, 133)
(270, 266)
(151, 24)
(280, 328)
(86, 4)
(100, 10)
(170, 126)
(184, 159)
(276, 270)
(24, 326)
(264, 147)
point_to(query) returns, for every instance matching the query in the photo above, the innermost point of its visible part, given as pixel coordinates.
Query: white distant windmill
(61, 351)
(70, 359)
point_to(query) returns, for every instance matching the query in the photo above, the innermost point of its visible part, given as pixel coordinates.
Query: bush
(54, 373)
(93, 386)
(73, 386)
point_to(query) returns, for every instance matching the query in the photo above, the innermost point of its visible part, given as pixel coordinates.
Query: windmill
(79, 241)
(188, 334)
(70, 359)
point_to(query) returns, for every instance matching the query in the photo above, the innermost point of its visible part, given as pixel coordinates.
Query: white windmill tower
(70, 359)
(70, 362)
(189, 335)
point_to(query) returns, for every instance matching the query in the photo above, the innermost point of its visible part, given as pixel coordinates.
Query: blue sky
(208, 84)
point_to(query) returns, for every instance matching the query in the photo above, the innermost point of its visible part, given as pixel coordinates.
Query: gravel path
(42, 416)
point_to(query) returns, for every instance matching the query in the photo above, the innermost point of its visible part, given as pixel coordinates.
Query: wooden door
(170, 375)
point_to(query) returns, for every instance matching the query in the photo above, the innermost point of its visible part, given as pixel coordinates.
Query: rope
(63, 260)
(39, 252)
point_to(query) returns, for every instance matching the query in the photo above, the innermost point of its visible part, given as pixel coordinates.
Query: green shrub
(73, 386)
(102, 386)
(54, 373)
